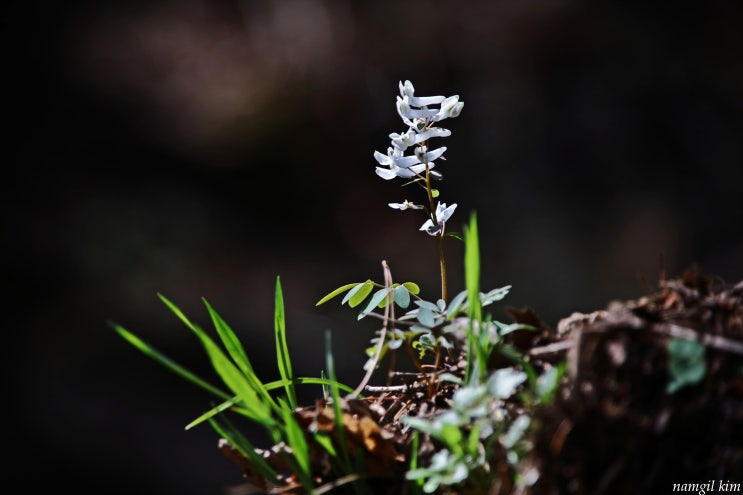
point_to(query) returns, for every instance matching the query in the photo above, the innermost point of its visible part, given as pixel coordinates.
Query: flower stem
(442, 266)
(440, 236)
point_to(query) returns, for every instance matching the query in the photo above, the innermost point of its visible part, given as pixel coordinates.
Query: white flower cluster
(416, 113)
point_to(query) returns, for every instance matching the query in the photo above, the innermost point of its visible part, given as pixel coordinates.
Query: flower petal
(385, 173)
(383, 159)
(433, 155)
(406, 161)
(431, 133)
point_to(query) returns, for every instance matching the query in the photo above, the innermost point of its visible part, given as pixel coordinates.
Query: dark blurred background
(204, 148)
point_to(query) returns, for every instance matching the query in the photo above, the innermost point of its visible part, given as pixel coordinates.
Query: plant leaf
(356, 295)
(402, 296)
(412, 288)
(282, 348)
(336, 292)
(228, 372)
(374, 301)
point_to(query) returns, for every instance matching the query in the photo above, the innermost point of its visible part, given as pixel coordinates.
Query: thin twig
(389, 313)
(555, 347)
(715, 341)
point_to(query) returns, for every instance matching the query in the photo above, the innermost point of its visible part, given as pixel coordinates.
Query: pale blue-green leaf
(516, 431)
(494, 295)
(457, 305)
(503, 382)
(428, 305)
(374, 301)
(402, 296)
(426, 317)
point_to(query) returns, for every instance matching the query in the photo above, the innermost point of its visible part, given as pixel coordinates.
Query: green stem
(439, 237)
(442, 265)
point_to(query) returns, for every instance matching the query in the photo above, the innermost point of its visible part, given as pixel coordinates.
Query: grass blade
(229, 373)
(242, 445)
(282, 348)
(237, 353)
(167, 362)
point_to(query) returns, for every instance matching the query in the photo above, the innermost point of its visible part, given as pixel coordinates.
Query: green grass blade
(213, 412)
(237, 353)
(298, 443)
(229, 339)
(472, 268)
(167, 362)
(243, 445)
(308, 380)
(475, 363)
(229, 373)
(336, 396)
(282, 348)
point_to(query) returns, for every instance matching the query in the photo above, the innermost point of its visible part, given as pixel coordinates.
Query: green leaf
(336, 403)
(686, 364)
(238, 355)
(356, 295)
(412, 288)
(296, 440)
(228, 372)
(336, 292)
(472, 268)
(435, 193)
(302, 380)
(282, 348)
(242, 445)
(229, 339)
(213, 412)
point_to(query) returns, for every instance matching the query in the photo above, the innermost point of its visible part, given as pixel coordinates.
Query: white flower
(405, 205)
(408, 113)
(424, 156)
(411, 137)
(430, 133)
(404, 140)
(443, 213)
(450, 108)
(407, 90)
(415, 112)
(400, 166)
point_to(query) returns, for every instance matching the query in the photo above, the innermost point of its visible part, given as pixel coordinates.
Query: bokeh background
(202, 148)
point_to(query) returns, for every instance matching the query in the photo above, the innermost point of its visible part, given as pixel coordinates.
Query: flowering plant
(421, 121)
(454, 425)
